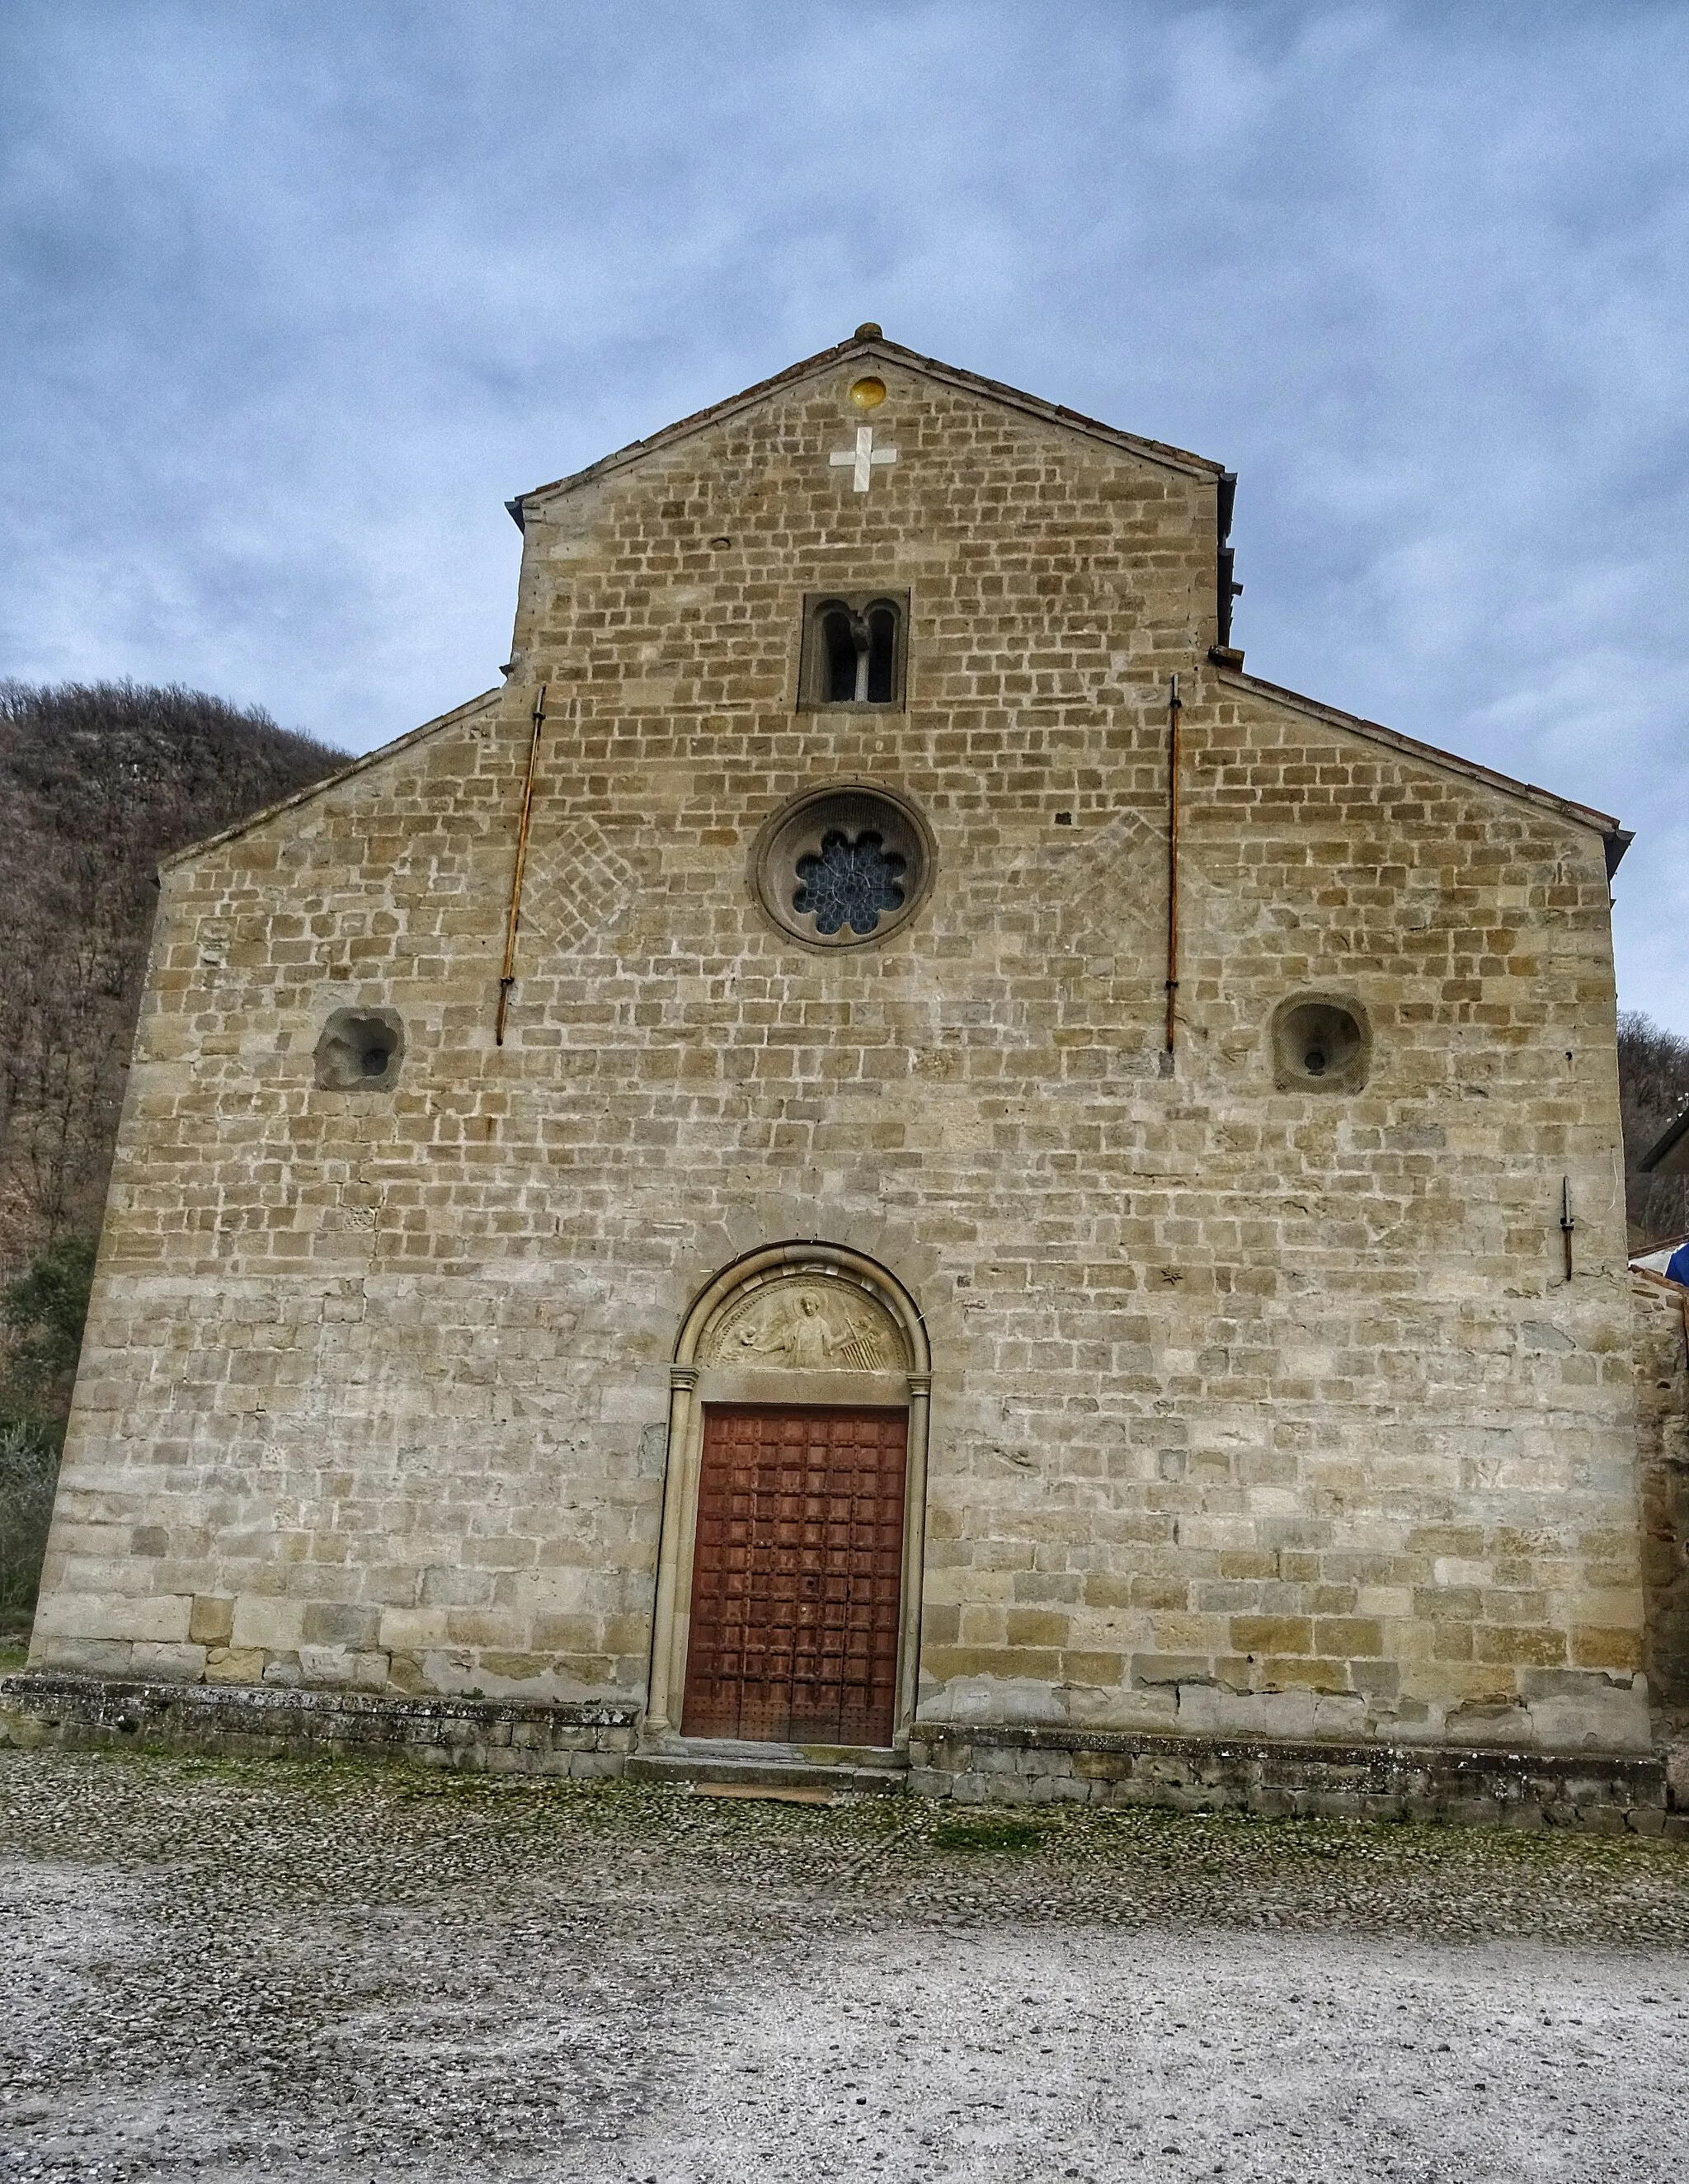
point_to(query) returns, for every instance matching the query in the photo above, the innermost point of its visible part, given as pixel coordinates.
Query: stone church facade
(882, 1150)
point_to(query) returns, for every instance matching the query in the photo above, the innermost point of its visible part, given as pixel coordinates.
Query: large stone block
(161, 1619)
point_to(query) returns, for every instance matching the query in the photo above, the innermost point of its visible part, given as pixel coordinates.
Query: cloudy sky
(296, 294)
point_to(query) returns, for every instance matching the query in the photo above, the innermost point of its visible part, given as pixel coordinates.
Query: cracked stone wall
(1254, 1410)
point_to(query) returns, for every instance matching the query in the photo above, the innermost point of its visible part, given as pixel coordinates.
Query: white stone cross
(865, 455)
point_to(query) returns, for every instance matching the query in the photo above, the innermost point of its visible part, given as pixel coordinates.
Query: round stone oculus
(844, 866)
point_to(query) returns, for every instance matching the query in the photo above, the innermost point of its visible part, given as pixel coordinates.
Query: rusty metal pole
(1174, 709)
(507, 977)
(1567, 1222)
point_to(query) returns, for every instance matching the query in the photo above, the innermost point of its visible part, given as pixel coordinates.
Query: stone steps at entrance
(749, 1768)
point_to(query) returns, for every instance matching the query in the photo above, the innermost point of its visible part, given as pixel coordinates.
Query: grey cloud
(294, 298)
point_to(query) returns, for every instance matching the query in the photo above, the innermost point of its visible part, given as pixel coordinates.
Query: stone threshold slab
(749, 1774)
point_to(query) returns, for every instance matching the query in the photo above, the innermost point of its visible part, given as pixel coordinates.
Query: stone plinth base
(1608, 1792)
(491, 1736)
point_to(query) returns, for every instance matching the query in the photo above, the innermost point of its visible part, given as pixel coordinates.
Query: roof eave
(1616, 837)
(316, 788)
(1659, 1159)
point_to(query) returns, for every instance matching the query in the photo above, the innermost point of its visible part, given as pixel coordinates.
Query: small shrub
(45, 1309)
(993, 1833)
(29, 1473)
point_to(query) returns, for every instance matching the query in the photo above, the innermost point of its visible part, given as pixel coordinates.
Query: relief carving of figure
(810, 1332)
(804, 1337)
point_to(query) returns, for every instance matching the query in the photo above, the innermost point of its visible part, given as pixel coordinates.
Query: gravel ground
(339, 1972)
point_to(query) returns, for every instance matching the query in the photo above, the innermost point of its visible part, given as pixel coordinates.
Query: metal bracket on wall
(507, 977)
(1174, 709)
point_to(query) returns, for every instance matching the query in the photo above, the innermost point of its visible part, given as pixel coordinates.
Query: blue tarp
(1677, 1267)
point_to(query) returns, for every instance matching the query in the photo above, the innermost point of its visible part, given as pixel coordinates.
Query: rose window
(845, 866)
(849, 883)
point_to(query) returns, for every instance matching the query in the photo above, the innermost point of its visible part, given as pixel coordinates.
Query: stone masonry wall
(1662, 1313)
(1253, 1411)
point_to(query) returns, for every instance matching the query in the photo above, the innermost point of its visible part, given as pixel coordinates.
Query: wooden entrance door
(796, 1580)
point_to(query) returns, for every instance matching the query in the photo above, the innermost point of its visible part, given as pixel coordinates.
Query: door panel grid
(797, 1575)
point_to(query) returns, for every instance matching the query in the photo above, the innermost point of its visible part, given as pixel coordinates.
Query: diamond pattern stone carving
(577, 882)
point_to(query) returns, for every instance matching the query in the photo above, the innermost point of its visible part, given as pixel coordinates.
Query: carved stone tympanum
(811, 1323)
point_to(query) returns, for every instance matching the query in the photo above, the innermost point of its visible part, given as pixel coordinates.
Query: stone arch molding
(761, 1310)
(797, 1322)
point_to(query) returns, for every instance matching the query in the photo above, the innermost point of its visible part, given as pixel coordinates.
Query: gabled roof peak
(869, 340)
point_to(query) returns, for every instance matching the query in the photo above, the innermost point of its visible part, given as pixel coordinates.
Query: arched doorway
(788, 1578)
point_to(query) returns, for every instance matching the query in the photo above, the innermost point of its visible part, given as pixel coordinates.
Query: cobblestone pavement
(338, 1972)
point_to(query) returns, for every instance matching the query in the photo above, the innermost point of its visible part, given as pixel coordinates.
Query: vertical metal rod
(1567, 1222)
(1174, 709)
(507, 977)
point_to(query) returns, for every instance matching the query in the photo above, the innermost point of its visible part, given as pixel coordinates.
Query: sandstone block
(211, 1620)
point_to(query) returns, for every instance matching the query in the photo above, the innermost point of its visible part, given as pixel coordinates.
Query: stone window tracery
(844, 864)
(849, 883)
(854, 651)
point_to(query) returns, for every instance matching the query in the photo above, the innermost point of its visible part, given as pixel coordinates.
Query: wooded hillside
(1653, 1090)
(98, 782)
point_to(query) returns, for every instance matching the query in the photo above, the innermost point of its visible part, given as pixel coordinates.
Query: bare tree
(1653, 1090)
